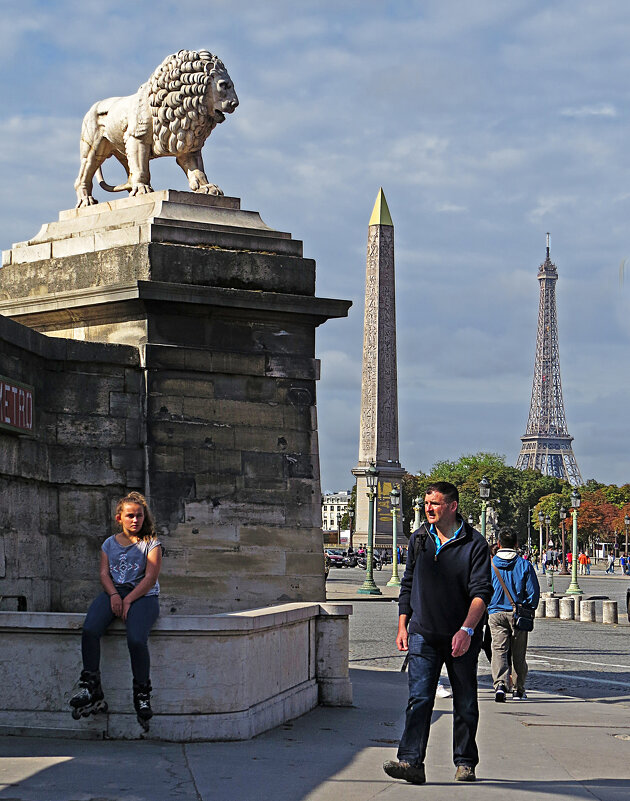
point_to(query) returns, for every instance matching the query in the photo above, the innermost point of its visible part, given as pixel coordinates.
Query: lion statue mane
(172, 114)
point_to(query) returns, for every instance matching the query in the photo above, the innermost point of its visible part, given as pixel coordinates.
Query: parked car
(337, 558)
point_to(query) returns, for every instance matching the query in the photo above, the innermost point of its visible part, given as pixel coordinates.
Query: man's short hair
(508, 538)
(445, 488)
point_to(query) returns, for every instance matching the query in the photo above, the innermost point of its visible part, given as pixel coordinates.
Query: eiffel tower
(547, 444)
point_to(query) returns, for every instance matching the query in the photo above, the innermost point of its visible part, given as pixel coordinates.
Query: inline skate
(142, 703)
(90, 699)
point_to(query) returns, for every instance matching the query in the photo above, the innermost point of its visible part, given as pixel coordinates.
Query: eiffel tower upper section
(547, 444)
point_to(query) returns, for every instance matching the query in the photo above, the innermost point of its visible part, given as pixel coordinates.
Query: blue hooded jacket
(519, 577)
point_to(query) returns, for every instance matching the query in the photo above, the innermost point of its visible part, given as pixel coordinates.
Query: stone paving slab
(546, 747)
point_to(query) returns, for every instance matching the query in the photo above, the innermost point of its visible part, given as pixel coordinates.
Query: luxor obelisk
(378, 436)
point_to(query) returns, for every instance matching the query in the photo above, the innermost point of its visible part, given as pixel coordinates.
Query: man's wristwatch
(468, 631)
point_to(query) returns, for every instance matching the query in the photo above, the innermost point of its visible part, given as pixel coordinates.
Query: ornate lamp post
(417, 507)
(563, 517)
(484, 494)
(369, 585)
(394, 497)
(626, 521)
(548, 529)
(574, 588)
(338, 529)
(351, 524)
(541, 520)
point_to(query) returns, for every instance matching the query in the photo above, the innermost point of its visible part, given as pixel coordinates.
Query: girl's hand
(125, 608)
(116, 604)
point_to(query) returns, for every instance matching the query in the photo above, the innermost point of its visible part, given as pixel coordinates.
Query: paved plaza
(569, 740)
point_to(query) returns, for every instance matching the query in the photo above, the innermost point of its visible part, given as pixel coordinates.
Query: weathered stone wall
(213, 416)
(58, 487)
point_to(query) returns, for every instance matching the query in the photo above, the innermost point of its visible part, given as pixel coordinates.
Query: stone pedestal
(220, 415)
(215, 677)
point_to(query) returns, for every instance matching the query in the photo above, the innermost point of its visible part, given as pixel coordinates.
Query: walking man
(508, 643)
(443, 596)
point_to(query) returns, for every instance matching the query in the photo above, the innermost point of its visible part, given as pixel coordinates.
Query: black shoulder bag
(524, 615)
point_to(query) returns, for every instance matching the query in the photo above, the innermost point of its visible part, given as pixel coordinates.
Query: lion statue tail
(108, 187)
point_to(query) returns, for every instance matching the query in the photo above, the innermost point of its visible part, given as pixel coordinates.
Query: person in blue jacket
(508, 643)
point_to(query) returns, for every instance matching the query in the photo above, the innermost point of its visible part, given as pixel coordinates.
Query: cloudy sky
(487, 123)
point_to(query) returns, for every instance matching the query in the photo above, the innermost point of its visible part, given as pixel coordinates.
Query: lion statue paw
(209, 189)
(140, 189)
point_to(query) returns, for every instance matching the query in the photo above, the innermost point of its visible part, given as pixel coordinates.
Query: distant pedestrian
(582, 563)
(611, 563)
(509, 644)
(588, 565)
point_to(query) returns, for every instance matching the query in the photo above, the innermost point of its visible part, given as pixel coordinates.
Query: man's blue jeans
(142, 614)
(425, 663)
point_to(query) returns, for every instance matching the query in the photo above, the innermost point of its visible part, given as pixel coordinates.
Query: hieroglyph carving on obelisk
(378, 435)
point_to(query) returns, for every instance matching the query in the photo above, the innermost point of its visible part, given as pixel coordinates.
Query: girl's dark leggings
(142, 614)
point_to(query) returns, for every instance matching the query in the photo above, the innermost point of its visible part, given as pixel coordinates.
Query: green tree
(512, 492)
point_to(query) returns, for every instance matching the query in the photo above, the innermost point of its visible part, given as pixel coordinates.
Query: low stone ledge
(216, 677)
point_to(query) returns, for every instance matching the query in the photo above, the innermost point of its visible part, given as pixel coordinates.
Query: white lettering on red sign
(16, 406)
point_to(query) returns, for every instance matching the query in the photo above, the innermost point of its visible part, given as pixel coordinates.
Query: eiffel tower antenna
(547, 444)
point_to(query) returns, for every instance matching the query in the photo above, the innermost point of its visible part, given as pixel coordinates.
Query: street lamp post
(574, 588)
(484, 494)
(369, 585)
(417, 506)
(338, 529)
(548, 529)
(394, 497)
(541, 520)
(626, 521)
(350, 524)
(563, 517)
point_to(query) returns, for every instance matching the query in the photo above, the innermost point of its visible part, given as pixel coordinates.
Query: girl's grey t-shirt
(128, 564)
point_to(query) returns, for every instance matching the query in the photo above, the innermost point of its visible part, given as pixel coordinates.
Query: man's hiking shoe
(499, 694)
(465, 773)
(414, 774)
(519, 695)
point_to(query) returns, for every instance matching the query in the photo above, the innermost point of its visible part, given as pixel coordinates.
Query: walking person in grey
(443, 598)
(509, 644)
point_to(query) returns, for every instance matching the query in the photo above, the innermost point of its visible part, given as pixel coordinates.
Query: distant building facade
(334, 504)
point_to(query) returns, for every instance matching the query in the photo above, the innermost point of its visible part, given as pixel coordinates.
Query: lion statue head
(189, 94)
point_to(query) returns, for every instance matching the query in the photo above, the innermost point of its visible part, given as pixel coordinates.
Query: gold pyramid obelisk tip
(380, 212)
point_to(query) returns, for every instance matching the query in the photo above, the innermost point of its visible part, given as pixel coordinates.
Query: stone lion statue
(172, 114)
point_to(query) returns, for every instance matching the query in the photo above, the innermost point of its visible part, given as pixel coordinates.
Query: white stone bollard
(566, 608)
(577, 600)
(587, 612)
(541, 608)
(552, 607)
(609, 612)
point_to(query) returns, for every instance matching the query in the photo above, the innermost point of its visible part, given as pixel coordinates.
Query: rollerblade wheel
(76, 714)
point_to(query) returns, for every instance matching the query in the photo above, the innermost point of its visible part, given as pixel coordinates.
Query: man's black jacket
(436, 590)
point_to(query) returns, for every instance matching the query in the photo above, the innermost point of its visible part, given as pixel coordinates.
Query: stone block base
(215, 677)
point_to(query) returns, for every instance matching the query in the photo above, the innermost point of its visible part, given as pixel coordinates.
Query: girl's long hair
(147, 532)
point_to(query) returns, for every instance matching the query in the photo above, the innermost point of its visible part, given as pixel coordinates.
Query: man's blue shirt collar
(438, 544)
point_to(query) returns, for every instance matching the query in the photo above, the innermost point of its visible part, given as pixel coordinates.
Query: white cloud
(470, 118)
(600, 110)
